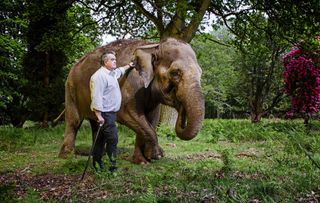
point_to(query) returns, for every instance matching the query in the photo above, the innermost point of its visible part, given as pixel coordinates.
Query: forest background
(244, 76)
(241, 57)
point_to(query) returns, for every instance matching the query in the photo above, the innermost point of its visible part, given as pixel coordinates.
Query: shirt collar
(109, 72)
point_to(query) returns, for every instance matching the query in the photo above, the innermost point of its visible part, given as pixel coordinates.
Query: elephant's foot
(143, 155)
(138, 157)
(64, 151)
(153, 152)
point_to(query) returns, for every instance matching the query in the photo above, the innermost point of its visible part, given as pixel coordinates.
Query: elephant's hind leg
(73, 123)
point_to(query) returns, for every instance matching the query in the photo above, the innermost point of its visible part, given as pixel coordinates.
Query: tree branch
(197, 18)
(154, 19)
(216, 41)
(88, 24)
(87, 6)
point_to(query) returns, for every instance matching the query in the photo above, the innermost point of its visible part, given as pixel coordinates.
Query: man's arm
(96, 89)
(99, 116)
(125, 68)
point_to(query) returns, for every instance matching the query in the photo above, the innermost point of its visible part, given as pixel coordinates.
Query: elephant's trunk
(191, 113)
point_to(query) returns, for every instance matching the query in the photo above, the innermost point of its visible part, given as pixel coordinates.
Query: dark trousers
(108, 137)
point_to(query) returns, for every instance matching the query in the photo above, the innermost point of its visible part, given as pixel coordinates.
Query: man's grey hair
(106, 56)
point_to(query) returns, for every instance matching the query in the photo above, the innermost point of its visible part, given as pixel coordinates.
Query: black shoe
(113, 169)
(100, 163)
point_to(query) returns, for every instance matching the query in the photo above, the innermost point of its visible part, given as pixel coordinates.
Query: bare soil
(62, 188)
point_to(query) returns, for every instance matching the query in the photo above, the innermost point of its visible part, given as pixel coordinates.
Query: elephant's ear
(144, 57)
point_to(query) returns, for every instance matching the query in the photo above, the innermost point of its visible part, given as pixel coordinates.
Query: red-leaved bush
(302, 80)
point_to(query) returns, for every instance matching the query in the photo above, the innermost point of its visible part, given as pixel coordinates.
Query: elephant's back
(90, 63)
(77, 84)
(124, 50)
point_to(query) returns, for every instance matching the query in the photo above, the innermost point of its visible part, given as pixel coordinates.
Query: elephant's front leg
(146, 147)
(152, 149)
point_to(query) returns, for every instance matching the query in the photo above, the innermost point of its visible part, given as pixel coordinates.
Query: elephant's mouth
(168, 95)
(183, 117)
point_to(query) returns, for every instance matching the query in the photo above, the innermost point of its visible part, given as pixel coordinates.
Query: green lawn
(229, 161)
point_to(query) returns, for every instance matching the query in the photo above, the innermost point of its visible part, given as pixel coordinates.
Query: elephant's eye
(175, 75)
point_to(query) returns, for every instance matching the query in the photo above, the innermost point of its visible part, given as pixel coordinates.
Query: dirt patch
(202, 156)
(213, 155)
(62, 188)
(310, 197)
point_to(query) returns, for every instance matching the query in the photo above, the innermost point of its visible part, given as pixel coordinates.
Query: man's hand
(100, 118)
(128, 67)
(131, 65)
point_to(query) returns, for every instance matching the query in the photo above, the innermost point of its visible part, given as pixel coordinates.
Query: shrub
(302, 78)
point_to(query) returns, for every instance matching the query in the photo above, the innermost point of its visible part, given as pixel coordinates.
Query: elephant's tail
(55, 121)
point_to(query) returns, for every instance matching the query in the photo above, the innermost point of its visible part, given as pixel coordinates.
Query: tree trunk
(168, 115)
(44, 123)
(256, 117)
(256, 108)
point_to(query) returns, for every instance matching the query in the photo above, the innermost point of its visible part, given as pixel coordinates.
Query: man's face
(111, 63)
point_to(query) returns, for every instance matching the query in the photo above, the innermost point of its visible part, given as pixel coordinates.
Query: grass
(229, 161)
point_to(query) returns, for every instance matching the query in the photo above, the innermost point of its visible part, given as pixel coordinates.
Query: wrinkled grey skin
(166, 73)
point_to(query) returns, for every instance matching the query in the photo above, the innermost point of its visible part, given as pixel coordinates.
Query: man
(105, 102)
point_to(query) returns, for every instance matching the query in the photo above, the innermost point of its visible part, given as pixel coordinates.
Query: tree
(259, 63)
(37, 49)
(46, 37)
(141, 18)
(293, 20)
(179, 19)
(302, 79)
(183, 18)
(12, 48)
(218, 76)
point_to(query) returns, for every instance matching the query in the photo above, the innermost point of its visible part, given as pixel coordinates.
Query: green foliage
(227, 161)
(84, 35)
(12, 48)
(152, 20)
(7, 192)
(308, 145)
(47, 36)
(149, 196)
(296, 20)
(243, 130)
(218, 77)
(248, 162)
(62, 32)
(31, 196)
(20, 139)
(164, 130)
(38, 48)
(119, 18)
(259, 64)
(291, 20)
(12, 139)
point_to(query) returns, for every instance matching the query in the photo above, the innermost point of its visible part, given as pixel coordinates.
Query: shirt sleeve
(96, 90)
(120, 71)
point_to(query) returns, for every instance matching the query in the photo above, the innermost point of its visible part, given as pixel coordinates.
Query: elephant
(164, 73)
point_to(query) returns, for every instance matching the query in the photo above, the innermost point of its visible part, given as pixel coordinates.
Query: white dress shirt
(105, 90)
